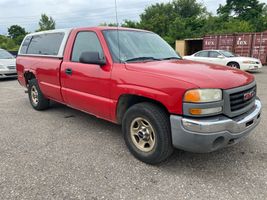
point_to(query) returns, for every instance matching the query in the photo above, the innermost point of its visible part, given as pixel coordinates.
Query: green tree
(221, 25)
(108, 24)
(130, 24)
(157, 18)
(242, 9)
(15, 31)
(46, 23)
(175, 20)
(8, 43)
(236, 26)
(251, 11)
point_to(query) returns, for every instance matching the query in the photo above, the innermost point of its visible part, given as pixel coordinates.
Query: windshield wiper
(171, 58)
(141, 58)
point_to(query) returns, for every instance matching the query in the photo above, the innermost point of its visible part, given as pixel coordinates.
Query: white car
(226, 58)
(7, 65)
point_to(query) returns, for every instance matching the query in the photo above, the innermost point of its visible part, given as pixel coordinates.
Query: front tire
(36, 97)
(147, 133)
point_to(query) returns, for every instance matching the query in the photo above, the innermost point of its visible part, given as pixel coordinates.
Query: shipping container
(259, 46)
(226, 42)
(242, 44)
(189, 46)
(210, 42)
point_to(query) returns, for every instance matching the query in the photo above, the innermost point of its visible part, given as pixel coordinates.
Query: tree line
(182, 19)
(177, 19)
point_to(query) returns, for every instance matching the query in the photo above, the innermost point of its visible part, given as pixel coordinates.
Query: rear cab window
(45, 44)
(48, 43)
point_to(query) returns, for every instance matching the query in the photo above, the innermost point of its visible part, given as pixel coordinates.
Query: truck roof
(59, 54)
(102, 28)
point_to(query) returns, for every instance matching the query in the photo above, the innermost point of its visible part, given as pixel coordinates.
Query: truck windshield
(5, 55)
(136, 46)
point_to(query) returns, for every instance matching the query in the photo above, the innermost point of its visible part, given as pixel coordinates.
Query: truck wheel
(37, 99)
(147, 133)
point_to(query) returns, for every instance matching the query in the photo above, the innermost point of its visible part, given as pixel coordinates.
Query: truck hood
(8, 62)
(201, 75)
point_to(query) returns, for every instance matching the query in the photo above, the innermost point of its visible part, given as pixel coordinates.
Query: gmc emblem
(249, 95)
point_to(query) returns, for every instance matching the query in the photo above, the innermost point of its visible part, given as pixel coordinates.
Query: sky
(77, 13)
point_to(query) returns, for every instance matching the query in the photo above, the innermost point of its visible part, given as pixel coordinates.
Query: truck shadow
(83, 118)
(226, 160)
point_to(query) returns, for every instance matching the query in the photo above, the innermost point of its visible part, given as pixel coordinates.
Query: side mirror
(220, 56)
(91, 58)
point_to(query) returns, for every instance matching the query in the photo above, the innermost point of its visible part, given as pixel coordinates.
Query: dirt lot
(62, 153)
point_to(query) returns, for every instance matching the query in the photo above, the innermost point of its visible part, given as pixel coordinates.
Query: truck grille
(239, 100)
(242, 99)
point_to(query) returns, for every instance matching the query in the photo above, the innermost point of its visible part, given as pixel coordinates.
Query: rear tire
(36, 97)
(233, 65)
(147, 133)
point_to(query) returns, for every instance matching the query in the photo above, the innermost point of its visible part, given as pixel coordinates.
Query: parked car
(7, 65)
(226, 58)
(162, 101)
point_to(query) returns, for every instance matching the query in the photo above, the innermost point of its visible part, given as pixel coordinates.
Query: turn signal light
(198, 111)
(195, 111)
(192, 96)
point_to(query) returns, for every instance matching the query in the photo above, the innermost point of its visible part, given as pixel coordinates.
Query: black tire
(160, 122)
(233, 65)
(41, 102)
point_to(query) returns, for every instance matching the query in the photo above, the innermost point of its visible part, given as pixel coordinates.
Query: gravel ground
(63, 153)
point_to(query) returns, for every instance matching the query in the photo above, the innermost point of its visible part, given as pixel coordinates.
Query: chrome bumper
(212, 133)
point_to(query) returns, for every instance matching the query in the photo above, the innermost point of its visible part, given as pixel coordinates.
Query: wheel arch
(29, 75)
(128, 100)
(233, 62)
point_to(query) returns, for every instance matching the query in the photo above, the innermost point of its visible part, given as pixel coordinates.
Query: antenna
(118, 34)
(116, 11)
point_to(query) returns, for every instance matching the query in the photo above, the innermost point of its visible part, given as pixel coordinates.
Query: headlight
(250, 62)
(2, 67)
(203, 95)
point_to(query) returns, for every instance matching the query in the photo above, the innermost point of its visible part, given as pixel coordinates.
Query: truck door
(86, 86)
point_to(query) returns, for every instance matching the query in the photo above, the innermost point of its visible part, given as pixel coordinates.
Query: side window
(86, 41)
(45, 44)
(202, 54)
(24, 46)
(214, 54)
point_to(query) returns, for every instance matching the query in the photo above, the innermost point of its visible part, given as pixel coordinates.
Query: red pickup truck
(134, 78)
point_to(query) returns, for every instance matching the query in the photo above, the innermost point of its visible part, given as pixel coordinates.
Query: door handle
(68, 71)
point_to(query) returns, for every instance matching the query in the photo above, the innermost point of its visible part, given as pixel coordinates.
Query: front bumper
(251, 67)
(213, 133)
